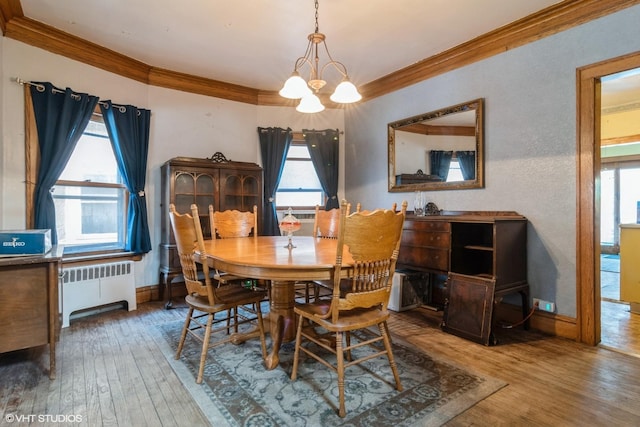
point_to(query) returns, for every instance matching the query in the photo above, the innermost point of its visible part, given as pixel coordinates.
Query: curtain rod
(41, 88)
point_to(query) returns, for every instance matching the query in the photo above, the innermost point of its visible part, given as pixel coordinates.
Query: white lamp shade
(310, 104)
(345, 93)
(295, 87)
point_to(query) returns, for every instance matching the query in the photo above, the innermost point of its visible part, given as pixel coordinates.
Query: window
(299, 185)
(619, 200)
(455, 173)
(90, 198)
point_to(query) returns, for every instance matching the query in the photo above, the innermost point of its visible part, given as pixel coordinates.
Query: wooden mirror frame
(478, 182)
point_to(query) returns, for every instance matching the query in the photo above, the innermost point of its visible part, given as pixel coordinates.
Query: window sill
(86, 259)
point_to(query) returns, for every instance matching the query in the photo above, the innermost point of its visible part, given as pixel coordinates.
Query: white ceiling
(255, 43)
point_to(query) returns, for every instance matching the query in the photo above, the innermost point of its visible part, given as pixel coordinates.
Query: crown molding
(549, 21)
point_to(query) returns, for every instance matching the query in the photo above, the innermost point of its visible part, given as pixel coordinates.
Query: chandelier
(296, 88)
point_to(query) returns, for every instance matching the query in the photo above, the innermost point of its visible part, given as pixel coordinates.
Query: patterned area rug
(238, 391)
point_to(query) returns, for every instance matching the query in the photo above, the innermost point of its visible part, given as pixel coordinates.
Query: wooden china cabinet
(213, 181)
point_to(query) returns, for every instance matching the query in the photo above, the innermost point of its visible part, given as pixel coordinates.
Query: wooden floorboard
(111, 371)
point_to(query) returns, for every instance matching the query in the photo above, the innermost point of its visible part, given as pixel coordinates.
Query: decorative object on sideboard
(432, 209)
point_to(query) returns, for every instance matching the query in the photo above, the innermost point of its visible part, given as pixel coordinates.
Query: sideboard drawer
(424, 258)
(418, 225)
(427, 239)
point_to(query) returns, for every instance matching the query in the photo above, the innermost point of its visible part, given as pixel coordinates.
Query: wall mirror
(440, 150)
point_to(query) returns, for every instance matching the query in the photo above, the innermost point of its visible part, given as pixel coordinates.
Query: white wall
(182, 124)
(530, 140)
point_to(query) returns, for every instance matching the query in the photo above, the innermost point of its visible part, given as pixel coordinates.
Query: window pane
(92, 160)
(455, 174)
(298, 151)
(286, 199)
(299, 185)
(299, 174)
(89, 215)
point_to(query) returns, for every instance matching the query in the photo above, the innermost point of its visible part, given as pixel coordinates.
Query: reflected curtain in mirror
(467, 162)
(440, 163)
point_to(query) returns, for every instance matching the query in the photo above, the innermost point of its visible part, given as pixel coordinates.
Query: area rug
(238, 391)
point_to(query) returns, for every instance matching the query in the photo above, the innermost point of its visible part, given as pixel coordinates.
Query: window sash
(294, 191)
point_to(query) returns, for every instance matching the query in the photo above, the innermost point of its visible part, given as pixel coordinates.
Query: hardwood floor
(111, 372)
(620, 329)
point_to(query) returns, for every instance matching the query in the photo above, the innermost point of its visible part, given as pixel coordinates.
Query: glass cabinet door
(239, 191)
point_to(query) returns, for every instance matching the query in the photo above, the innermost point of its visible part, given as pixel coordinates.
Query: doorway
(588, 273)
(619, 198)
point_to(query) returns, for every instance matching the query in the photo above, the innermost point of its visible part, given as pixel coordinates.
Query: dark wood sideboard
(29, 299)
(471, 260)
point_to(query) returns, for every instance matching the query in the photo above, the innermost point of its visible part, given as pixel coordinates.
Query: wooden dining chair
(232, 224)
(325, 226)
(359, 300)
(238, 304)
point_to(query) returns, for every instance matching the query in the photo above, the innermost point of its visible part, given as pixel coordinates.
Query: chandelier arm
(304, 59)
(336, 64)
(339, 66)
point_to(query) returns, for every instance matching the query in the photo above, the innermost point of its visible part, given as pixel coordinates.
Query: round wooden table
(269, 258)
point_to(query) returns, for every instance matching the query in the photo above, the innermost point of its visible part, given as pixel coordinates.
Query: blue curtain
(324, 148)
(61, 117)
(440, 162)
(128, 129)
(274, 144)
(467, 162)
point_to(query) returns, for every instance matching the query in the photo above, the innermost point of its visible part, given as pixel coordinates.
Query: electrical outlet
(543, 305)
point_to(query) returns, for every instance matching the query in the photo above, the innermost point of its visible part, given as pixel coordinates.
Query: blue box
(24, 242)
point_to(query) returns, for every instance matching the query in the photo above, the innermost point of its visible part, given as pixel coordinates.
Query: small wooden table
(29, 299)
(268, 258)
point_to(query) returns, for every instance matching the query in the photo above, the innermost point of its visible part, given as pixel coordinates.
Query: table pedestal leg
(281, 319)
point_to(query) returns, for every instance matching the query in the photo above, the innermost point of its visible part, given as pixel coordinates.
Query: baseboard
(548, 323)
(152, 292)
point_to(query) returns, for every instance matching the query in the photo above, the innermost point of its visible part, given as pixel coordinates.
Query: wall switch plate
(543, 305)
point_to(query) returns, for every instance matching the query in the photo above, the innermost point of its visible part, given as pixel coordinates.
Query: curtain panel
(324, 148)
(274, 144)
(61, 117)
(128, 129)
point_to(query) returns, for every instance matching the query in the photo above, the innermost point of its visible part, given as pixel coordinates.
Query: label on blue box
(24, 242)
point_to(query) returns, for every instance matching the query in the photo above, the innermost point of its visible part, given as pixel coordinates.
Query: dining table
(281, 261)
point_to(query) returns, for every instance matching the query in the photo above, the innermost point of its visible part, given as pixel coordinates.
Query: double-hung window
(299, 186)
(90, 198)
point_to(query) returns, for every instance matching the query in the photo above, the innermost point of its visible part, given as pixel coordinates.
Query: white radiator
(95, 285)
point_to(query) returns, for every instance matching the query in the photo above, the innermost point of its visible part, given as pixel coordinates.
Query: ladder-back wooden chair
(325, 226)
(231, 224)
(359, 301)
(236, 304)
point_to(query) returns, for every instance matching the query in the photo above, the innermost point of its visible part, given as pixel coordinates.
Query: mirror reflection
(440, 150)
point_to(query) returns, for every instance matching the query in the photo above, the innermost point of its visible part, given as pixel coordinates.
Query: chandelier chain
(317, 28)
